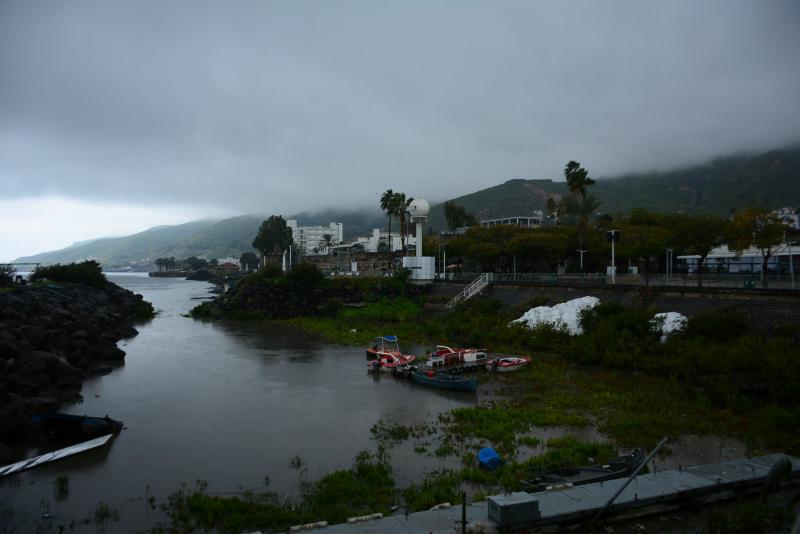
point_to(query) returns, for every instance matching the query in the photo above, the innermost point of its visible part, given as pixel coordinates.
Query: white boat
(445, 356)
(505, 364)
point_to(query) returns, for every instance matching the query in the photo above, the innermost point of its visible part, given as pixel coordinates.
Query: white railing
(470, 291)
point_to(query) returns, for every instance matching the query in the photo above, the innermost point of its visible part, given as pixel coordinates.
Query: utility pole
(791, 262)
(581, 251)
(613, 236)
(444, 254)
(668, 264)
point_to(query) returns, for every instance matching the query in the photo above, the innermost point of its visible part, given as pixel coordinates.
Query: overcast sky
(117, 116)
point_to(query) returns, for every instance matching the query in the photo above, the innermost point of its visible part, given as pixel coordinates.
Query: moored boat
(616, 467)
(384, 354)
(444, 381)
(445, 356)
(505, 364)
(390, 363)
(63, 424)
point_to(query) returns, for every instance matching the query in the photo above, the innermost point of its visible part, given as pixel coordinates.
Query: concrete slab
(582, 501)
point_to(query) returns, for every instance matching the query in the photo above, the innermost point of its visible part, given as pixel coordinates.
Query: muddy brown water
(231, 404)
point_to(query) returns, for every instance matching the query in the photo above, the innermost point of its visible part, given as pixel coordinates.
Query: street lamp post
(791, 261)
(668, 264)
(581, 252)
(443, 260)
(613, 236)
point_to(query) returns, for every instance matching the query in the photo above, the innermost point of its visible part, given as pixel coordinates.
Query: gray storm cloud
(258, 106)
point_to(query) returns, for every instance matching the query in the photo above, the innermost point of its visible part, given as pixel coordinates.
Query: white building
(372, 242)
(537, 221)
(790, 216)
(309, 237)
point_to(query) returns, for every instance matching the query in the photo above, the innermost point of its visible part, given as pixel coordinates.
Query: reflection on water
(225, 403)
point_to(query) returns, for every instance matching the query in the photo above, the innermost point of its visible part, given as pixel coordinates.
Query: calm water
(229, 404)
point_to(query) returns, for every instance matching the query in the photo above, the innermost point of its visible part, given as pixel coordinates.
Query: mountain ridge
(770, 179)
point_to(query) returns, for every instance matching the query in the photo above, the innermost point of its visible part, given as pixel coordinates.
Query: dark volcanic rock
(51, 338)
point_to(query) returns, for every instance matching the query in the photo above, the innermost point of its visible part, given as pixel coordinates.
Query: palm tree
(579, 204)
(400, 209)
(577, 178)
(327, 242)
(388, 205)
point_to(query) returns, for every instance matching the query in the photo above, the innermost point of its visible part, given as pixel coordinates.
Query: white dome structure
(419, 209)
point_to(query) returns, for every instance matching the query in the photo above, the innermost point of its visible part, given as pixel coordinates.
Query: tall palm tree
(580, 209)
(388, 205)
(579, 204)
(401, 207)
(577, 178)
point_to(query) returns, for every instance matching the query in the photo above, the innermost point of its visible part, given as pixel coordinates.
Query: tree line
(579, 241)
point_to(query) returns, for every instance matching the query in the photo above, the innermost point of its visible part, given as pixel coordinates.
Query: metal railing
(471, 290)
(782, 281)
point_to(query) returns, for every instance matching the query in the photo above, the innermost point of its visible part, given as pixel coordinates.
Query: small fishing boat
(390, 363)
(445, 356)
(384, 354)
(444, 381)
(382, 345)
(69, 425)
(505, 364)
(616, 467)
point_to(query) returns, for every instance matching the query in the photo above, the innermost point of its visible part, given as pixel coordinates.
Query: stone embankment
(54, 336)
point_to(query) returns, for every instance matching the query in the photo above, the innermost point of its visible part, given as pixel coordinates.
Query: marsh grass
(359, 326)
(367, 487)
(445, 485)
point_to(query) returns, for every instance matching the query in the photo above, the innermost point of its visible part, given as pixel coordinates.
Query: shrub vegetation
(88, 273)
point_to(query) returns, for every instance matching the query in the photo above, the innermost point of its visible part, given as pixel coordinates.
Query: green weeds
(367, 487)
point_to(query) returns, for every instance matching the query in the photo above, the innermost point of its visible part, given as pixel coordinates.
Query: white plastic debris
(669, 322)
(566, 315)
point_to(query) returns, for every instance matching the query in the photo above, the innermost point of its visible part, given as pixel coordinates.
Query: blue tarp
(390, 338)
(489, 459)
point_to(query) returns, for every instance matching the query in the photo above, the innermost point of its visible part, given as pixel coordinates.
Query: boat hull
(507, 364)
(442, 381)
(76, 425)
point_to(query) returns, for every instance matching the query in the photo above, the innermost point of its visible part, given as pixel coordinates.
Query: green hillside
(122, 251)
(514, 197)
(206, 239)
(770, 180)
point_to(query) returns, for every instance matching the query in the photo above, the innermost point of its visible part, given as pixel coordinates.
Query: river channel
(229, 404)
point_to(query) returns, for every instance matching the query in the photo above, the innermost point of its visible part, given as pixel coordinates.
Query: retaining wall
(766, 310)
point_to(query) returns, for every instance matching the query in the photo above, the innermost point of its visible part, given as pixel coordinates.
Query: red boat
(505, 364)
(445, 356)
(384, 354)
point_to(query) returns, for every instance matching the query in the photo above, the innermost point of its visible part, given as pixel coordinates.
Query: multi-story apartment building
(308, 237)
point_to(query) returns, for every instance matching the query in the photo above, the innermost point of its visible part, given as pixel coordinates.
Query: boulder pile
(55, 335)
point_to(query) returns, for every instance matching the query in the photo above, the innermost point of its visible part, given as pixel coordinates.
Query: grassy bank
(618, 380)
(367, 487)
(717, 377)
